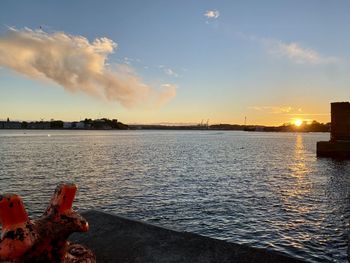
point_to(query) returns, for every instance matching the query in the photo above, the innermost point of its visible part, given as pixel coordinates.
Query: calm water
(262, 189)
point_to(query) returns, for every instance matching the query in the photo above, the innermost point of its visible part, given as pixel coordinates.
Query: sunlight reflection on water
(262, 189)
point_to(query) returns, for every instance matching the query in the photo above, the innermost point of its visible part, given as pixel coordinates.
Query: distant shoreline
(106, 124)
(161, 129)
(313, 127)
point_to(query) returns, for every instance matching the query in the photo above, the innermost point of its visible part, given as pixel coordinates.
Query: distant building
(67, 125)
(10, 125)
(80, 125)
(40, 125)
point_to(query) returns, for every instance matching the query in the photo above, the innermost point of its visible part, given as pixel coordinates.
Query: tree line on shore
(313, 126)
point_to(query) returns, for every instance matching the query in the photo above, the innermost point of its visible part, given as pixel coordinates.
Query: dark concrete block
(117, 239)
(340, 121)
(335, 149)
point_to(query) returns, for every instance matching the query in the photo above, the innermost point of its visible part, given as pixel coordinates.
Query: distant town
(107, 124)
(87, 124)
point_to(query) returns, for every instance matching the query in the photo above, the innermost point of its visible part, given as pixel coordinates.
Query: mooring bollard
(44, 239)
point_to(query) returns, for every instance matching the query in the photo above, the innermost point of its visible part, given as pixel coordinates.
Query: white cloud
(292, 51)
(77, 65)
(274, 109)
(130, 61)
(170, 72)
(296, 53)
(286, 110)
(212, 14)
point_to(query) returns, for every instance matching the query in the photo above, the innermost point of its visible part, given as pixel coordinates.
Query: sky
(174, 62)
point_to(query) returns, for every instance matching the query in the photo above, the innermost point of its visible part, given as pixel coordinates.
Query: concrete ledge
(336, 149)
(117, 239)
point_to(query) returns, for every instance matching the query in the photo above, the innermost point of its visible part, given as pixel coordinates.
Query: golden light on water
(299, 185)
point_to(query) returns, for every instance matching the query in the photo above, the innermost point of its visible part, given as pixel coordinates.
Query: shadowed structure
(339, 144)
(121, 240)
(340, 121)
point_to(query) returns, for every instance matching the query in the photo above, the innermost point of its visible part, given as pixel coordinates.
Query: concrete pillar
(339, 145)
(340, 121)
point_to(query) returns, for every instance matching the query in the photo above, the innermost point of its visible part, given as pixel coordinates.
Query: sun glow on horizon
(298, 122)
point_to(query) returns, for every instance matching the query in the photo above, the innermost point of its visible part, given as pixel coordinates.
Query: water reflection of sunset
(300, 185)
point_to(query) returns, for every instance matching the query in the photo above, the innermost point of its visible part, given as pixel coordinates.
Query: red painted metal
(44, 239)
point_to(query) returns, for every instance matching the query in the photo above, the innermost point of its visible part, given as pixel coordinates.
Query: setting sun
(298, 122)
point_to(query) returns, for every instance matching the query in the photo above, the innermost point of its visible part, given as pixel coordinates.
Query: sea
(265, 190)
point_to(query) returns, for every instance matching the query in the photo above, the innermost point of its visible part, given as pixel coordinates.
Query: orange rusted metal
(45, 239)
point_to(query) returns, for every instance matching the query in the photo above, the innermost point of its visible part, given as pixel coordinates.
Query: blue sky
(272, 61)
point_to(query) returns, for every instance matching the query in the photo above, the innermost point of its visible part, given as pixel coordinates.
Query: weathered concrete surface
(117, 239)
(335, 149)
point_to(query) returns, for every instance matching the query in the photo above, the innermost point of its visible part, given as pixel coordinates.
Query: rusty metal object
(44, 239)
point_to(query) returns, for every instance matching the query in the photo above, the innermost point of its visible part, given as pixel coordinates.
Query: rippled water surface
(262, 189)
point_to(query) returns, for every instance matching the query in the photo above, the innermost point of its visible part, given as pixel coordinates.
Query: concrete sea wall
(118, 239)
(339, 145)
(335, 149)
